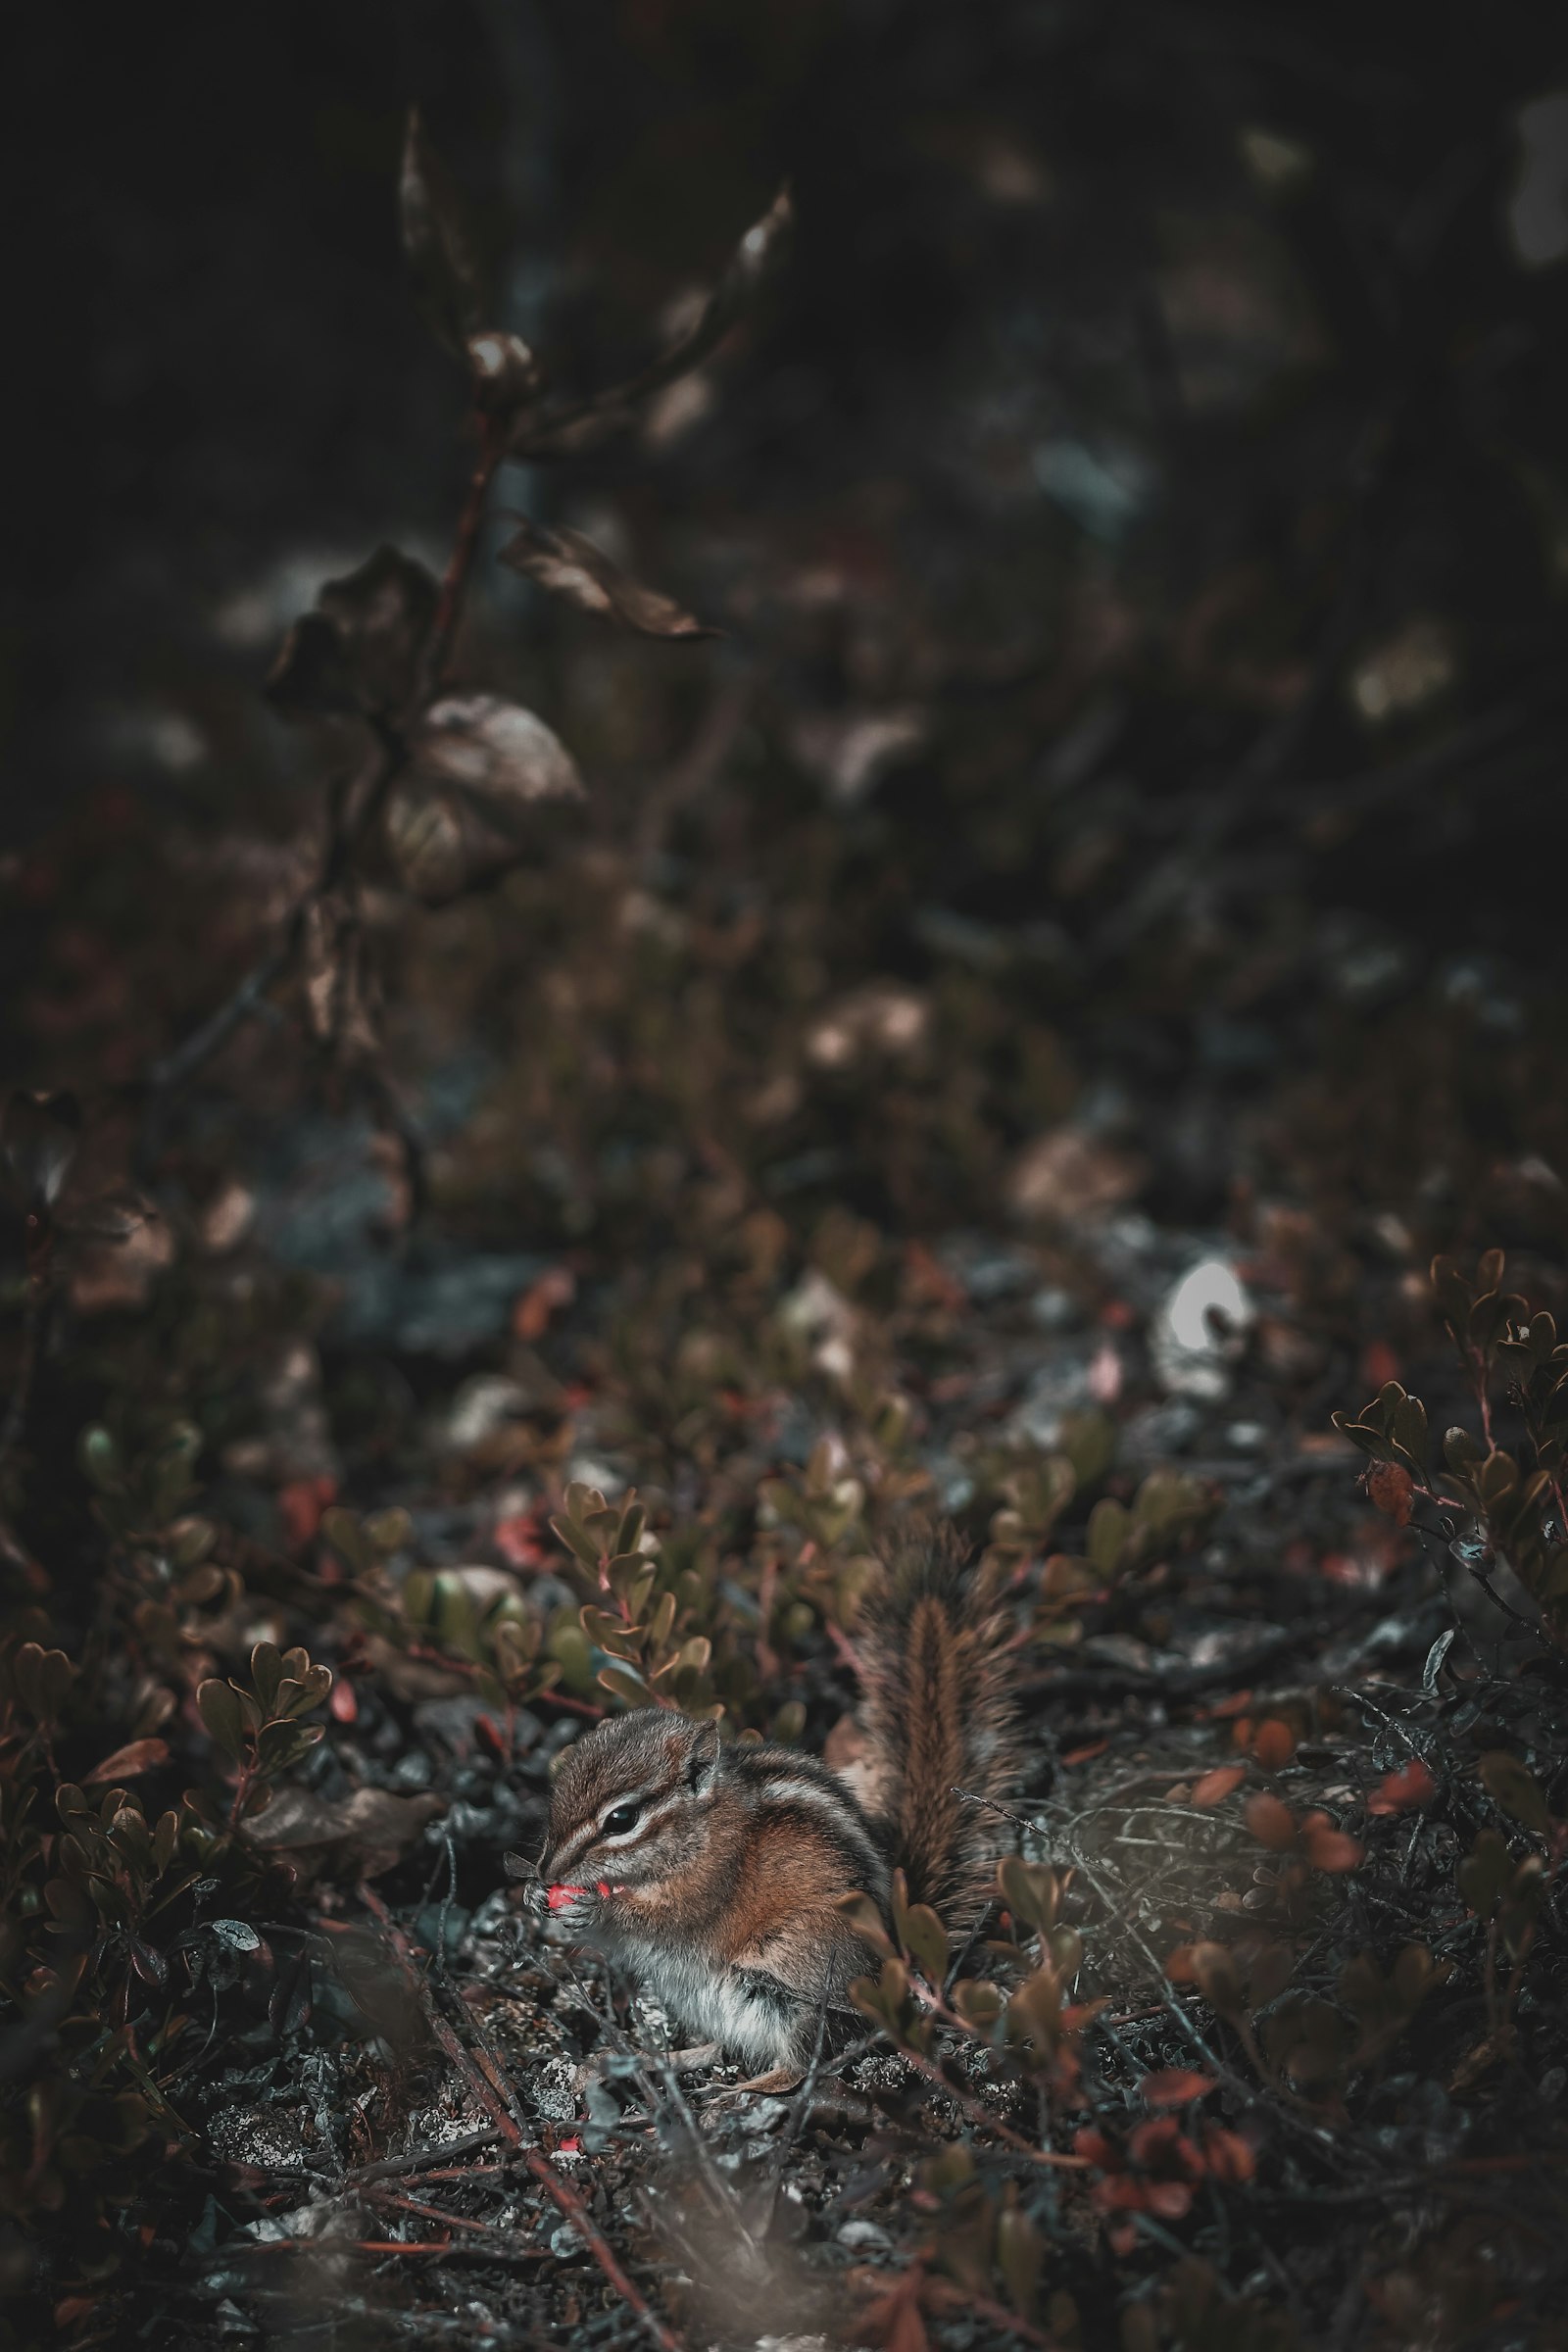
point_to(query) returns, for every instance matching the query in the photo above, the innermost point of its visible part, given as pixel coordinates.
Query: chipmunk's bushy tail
(939, 1704)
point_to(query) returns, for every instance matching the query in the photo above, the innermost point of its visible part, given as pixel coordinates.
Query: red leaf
(138, 1755)
(491, 1737)
(302, 1503)
(1175, 2086)
(1170, 2199)
(1161, 2141)
(517, 1539)
(1397, 1791)
(1274, 1745)
(1228, 2156)
(1328, 1848)
(1390, 1490)
(908, 2332)
(1216, 1786)
(343, 1707)
(530, 1316)
(1272, 1824)
(1085, 1755)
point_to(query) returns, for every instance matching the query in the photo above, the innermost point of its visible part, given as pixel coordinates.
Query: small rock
(1191, 1353)
(481, 1409)
(864, 2238)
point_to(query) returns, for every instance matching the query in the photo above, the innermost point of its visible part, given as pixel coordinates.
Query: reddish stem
(465, 547)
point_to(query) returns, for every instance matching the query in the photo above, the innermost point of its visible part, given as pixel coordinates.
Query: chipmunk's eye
(624, 1818)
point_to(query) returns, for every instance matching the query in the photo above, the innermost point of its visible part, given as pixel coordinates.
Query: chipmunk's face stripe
(655, 1807)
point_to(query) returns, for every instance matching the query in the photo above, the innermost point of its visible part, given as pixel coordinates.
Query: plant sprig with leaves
(255, 1725)
(1486, 1503)
(440, 789)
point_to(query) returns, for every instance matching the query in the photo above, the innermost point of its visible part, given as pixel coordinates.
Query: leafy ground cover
(504, 1216)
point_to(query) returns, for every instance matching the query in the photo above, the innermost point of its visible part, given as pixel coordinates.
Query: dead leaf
(367, 1831)
(1070, 1175)
(137, 1756)
(568, 565)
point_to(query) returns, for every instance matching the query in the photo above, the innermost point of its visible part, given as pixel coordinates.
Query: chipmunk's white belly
(712, 2002)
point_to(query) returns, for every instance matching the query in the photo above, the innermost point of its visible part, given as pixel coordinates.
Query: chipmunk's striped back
(715, 1871)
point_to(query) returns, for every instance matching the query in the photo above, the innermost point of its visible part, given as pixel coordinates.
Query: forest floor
(1004, 1036)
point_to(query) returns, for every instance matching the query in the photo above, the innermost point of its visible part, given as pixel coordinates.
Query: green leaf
(925, 1939)
(1409, 1431)
(1510, 1786)
(866, 1919)
(1109, 1524)
(218, 1704)
(1089, 1441)
(387, 1532)
(1461, 1450)
(789, 1723)
(1486, 1874)
(1020, 2256)
(578, 1543)
(279, 1744)
(978, 2002)
(1029, 1891)
(266, 1671)
(343, 1532)
(624, 1685)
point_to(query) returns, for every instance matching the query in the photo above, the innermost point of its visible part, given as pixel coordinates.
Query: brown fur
(936, 1677)
(720, 1896)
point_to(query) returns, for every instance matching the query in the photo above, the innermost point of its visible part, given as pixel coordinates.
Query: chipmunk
(712, 1871)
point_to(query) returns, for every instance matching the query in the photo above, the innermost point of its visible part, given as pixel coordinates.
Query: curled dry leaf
(361, 649)
(569, 565)
(480, 770)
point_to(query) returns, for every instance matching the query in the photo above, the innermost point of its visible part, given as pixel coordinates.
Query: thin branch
(501, 2102)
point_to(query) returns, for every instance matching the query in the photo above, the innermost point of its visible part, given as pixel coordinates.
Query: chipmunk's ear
(701, 1757)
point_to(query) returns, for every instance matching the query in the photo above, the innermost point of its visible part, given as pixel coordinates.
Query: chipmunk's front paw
(573, 1906)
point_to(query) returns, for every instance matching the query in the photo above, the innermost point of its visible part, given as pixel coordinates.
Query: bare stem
(34, 1322)
(465, 547)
